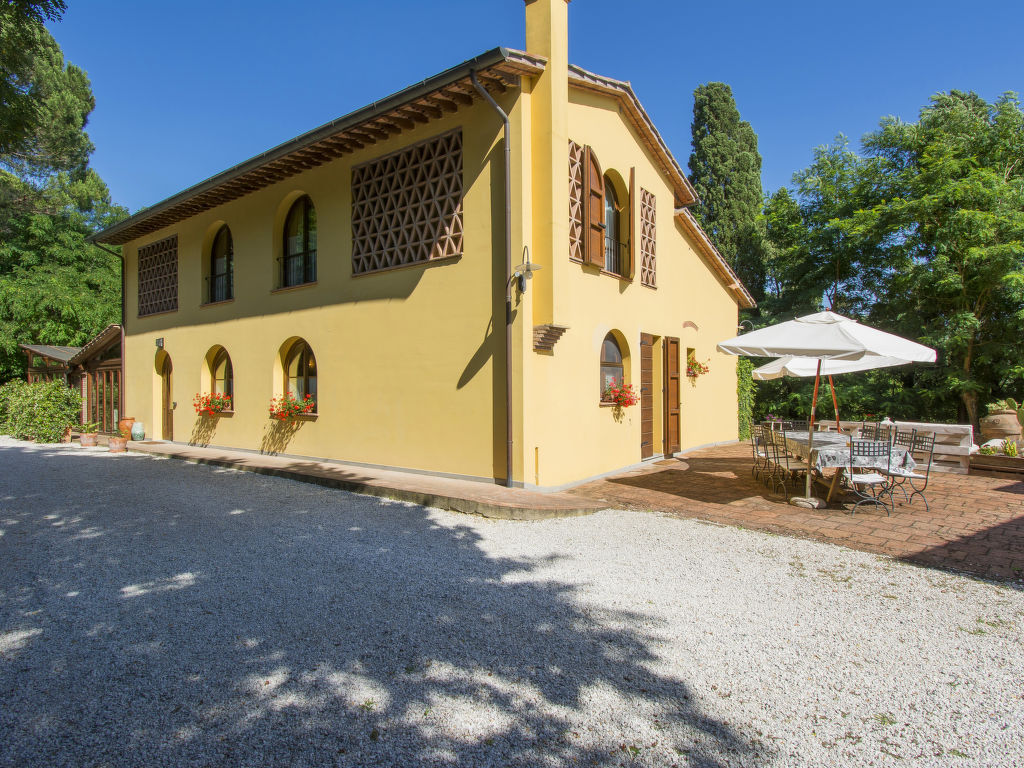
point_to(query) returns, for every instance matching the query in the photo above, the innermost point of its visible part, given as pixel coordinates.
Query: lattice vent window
(158, 276)
(648, 240)
(576, 153)
(407, 207)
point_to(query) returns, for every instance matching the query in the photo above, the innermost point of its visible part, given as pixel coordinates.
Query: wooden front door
(671, 395)
(646, 395)
(167, 421)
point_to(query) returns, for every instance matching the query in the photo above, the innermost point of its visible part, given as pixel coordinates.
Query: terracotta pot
(117, 445)
(1000, 425)
(67, 436)
(124, 426)
(87, 439)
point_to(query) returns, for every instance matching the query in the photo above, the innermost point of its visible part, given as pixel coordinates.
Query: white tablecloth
(832, 449)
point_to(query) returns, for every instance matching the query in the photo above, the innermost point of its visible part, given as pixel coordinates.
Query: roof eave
(715, 258)
(528, 63)
(622, 91)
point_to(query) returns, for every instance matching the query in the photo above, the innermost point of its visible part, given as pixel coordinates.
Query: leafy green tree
(921, 234)
(725, 169)
(55, 287)
(949, 207)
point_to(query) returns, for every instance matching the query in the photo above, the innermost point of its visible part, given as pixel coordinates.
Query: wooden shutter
(593, 194)
(646, 395)
(671, 395)
(631, 229)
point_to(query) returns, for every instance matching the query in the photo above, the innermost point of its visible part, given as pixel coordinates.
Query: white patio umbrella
(826, 338)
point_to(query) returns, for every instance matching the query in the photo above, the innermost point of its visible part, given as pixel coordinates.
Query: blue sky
(187, 89)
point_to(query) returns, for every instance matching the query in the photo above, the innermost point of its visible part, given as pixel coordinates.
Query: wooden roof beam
(445, 104)
(400, 121)
(387, 126)
(415, 114)
(430, 109)
(457, 96)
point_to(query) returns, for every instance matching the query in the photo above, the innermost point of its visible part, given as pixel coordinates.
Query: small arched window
(222, 375)
(222, 266)
(614, 248)
(611, 364)
(300, 371)
(298, 262)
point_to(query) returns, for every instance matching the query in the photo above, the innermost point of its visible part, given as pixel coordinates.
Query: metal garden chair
(873, 481)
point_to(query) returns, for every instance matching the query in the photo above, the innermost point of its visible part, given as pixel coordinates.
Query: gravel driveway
(158, 613)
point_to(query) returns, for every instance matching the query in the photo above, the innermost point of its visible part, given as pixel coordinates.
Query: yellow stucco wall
(411, 361)
(410, 367)
(568, 434)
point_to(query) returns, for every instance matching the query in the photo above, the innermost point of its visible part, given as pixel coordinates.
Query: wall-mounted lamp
(524, 271)
(740, 326)
(160, 343)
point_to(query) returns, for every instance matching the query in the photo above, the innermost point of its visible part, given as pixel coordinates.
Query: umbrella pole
(835, 403)
(810, 427)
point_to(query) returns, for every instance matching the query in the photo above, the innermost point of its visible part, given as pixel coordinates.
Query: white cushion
(867, 479)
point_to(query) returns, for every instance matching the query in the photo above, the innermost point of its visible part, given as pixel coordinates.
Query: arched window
(222, 266)
(300, 371)
(611, 364)
(222, 375)
(298, 262)
(614, 248)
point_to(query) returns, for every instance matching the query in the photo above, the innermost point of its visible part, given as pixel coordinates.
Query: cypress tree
(725, 169)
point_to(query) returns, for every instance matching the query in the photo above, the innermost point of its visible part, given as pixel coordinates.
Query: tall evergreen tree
(725, 169)
(54, 287)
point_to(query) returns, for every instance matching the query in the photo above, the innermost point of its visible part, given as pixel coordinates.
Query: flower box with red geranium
(620, 395)
(288, 406)
(212, 404)
(694, 368)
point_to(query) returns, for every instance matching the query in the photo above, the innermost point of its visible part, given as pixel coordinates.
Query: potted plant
(288, 406)
(119, 443)
(88, 430)
(620, 394)
(212, 404)
(125, 425)
(1002, 422)
(694, 368)
(999, 456)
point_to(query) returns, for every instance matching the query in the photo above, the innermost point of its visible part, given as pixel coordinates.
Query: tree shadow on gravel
(285, 624)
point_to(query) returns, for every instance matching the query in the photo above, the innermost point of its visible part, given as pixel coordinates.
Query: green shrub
(745, 390)
(41, 411)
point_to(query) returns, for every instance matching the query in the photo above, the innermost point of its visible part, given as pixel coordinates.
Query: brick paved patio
(975, 525)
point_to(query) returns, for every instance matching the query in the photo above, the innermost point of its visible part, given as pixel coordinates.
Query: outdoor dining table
(832, 449)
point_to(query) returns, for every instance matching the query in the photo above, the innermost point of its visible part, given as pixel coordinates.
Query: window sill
(421, 263)
(594, 269)
(286, 288)
(216, 303)
(156, 314)
(299, 417)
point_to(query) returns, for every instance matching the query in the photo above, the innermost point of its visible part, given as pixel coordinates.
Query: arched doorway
(166, 400)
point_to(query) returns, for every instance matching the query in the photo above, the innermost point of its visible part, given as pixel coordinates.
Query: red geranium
(288, 406)
(623, 395)
(212, 404)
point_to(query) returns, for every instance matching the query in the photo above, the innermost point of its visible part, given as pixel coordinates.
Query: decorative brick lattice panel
(576, 153)
(648, 240)
(407, 207)
(158, 276)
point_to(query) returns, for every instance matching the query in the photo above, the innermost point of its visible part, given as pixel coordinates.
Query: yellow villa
(453, 275)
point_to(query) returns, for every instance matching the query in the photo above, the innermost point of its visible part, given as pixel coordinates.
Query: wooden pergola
(95, 370)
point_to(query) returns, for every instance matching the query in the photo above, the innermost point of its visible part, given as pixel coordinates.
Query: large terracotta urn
(1000, 425)
(124, 426)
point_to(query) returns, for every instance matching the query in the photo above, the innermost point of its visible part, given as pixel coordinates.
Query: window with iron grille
(158, 276)
(407, 206)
